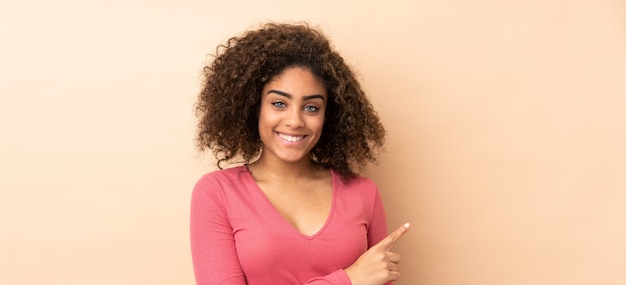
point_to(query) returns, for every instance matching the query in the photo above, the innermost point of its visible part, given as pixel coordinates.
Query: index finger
(393, 237)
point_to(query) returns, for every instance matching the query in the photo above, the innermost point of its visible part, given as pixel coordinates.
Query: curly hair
(229, 103)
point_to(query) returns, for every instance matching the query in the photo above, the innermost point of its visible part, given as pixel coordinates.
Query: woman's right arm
(213, 251)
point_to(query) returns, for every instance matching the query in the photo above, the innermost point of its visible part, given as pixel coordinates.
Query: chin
(294, 158)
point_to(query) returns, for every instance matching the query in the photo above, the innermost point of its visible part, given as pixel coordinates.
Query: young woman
(285, 106)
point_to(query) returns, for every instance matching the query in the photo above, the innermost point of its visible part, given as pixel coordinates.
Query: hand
(378, 265)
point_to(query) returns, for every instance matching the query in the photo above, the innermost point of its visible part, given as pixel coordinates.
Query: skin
(291, 118)
(378, 265)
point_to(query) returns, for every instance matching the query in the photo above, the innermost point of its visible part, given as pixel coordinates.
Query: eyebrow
(309, 97)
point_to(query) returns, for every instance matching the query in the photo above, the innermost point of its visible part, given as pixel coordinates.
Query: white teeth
(291, 138)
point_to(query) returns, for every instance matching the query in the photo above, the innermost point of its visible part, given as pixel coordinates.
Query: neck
(266, 168)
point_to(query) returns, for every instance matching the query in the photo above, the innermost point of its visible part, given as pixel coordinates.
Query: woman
(283, 103)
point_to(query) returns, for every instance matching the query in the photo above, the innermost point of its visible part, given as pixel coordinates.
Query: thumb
(388, 242)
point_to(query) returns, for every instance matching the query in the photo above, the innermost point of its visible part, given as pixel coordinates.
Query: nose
(294, 118)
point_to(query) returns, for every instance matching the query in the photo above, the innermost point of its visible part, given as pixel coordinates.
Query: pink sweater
(238, 237)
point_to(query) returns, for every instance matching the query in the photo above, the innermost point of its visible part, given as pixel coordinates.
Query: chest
(306, 207)
(268, 246)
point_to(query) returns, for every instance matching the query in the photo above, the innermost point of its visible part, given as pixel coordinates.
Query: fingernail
(407, 225)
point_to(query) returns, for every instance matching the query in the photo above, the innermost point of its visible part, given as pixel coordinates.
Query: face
(291, 115)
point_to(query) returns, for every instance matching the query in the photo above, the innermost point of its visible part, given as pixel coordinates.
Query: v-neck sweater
(238, 237)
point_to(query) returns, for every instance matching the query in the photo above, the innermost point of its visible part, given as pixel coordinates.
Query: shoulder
(223, 174)
(360, 195)
(358, 186)
(221, 179)
(357, 182)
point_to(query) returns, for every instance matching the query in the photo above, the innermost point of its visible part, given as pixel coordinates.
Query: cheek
(266, 118)
(318, 123)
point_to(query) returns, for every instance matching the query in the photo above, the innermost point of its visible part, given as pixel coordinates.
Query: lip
(282, 136)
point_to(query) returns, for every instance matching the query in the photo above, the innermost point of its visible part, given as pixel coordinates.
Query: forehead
(296, 81)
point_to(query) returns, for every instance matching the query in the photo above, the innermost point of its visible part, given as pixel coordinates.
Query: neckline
(284, 221)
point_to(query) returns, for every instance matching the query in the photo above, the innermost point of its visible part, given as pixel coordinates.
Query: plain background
(506, 133)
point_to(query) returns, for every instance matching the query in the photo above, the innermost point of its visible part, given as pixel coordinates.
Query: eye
(278, 104)
(311, 109)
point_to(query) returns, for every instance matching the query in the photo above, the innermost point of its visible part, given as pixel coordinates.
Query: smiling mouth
(290, 138)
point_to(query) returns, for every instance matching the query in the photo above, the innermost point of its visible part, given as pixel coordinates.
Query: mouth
(290, 138)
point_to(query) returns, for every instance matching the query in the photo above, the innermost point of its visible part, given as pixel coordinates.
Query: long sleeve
(213, 250)
(239, 238)
(338, 277)
(378, 224)
(377, 231)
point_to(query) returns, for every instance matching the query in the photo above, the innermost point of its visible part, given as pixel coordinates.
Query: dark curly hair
(228, 105)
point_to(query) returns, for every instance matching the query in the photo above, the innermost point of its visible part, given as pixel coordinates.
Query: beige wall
(506, 134)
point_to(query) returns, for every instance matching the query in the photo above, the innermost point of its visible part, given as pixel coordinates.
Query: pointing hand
(378, 265)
